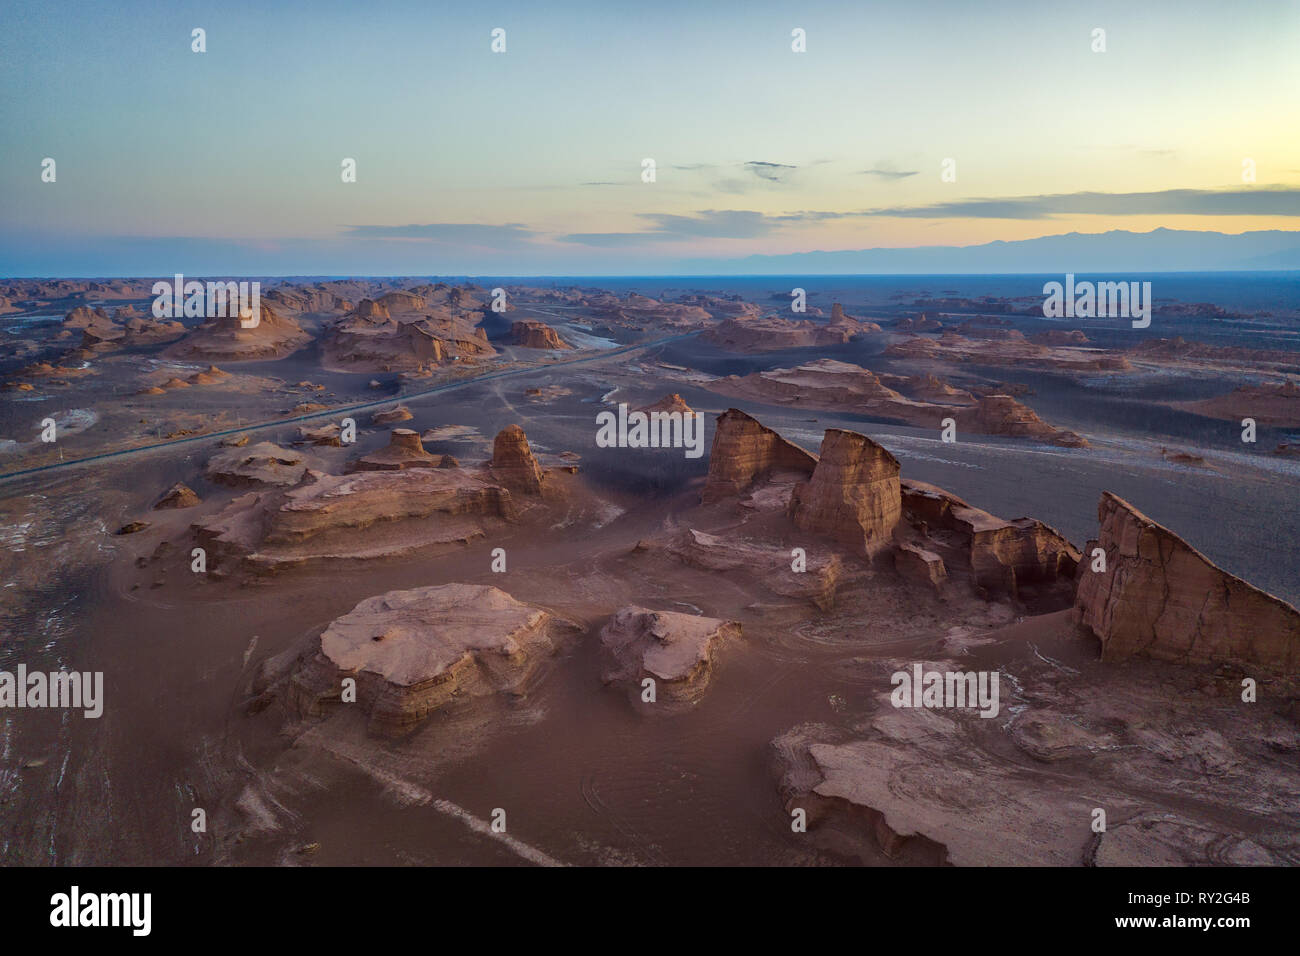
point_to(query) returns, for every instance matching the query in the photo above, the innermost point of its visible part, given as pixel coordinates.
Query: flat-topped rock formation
(749, 334)
(362, 515)
(745, 452)
(674, 649)
(224, 338)
(391, 416)
(841, 386)
(404, 450)
(767, 563)
(853, 495)
(513, 463)
(532, 334)
(412, 652)
(1158, 597)
(1269, 404)
(264, 463)
(1000, 347)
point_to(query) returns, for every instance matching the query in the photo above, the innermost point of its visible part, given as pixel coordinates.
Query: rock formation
(391, 416)
(412, 652)
(532, 334)
(1003, 415)
(669, 403)
(404, 332)
(179, 495)
(366, 514)
(513, 463)
(745, 452)
(1024, 559)
(404, 450)
(766, 334)
(1159, 597)
(224, 338)
(674, 649)
(262, 464)
(920, 566)
(854, 494)
(766, 563)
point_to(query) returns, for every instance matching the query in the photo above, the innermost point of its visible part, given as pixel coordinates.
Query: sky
(531, 161)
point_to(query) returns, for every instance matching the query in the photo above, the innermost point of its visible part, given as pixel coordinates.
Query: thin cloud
(1245, 201)
(453, 232)
(667, 227)
(891, 174)
(772, 172)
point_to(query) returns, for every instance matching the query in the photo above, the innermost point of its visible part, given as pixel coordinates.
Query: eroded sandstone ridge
(817, 583)
(673, 648)
(744, 452)
(513, 463)
(1159, 597)
(854, 494)
(366, 514)
(226, 339)
(411, 652)
(1024, 558)
(532, 334)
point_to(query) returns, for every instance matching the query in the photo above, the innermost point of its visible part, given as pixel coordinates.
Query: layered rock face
(853, 496)
(673, 648)
(366, 514)
(1161, 598)
(744, 452)
(513, 463)
(1003, 415)
(411, 652)
(532, 334)
(921, 566)
(1006, 557)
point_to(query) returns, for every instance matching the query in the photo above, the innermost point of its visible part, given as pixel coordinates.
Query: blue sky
(530, 161)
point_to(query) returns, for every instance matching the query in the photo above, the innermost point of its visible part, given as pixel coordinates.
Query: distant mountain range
(1161, 250)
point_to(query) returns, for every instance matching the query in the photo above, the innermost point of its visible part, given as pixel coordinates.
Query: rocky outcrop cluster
(225, 338)
(745, 452)
(1159, 597)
